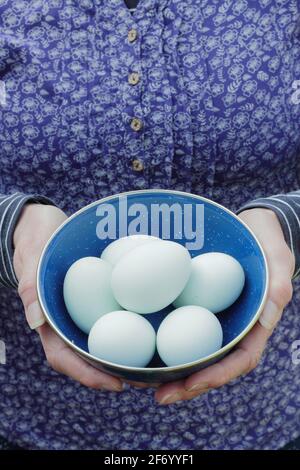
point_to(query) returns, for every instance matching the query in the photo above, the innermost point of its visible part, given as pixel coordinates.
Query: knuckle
(282, 292)
(27, 291)
(222, 376)
(247, 360)
(89, 378)
(250, 360)
(24, 285)
(90, 382)
(53, 360)
(254, 360)
(224, 379)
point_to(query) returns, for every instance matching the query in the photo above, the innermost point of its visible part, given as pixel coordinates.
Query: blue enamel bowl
(213, 227)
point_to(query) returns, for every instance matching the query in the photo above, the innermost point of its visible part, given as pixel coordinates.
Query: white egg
(115, 250)
(188, 334)
(151, 276)
(87, 291)
(124, 338)
(216, 281)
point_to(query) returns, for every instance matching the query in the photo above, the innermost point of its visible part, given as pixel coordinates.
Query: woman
(191, 95)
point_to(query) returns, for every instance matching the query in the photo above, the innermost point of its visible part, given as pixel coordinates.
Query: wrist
(263, 218)
(261, 212)
(26, 213)
(265, 221)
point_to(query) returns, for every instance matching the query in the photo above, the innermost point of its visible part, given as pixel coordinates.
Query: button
(133, 78)
(137, 165)
(136, 124)
(132, 35)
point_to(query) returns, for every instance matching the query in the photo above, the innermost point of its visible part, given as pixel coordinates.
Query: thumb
(279, 295)
(280, 260)
(27, 290)
(281, 267)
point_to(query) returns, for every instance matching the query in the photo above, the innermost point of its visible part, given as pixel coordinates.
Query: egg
(124, 338)
(188, 334)
(87, 291)
(151, 276)
(115, 250)
(216, 281)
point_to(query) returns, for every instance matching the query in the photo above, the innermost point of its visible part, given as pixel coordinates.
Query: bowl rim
(220, 352)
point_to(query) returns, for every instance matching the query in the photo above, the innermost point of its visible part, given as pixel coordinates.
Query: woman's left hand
(246, 356)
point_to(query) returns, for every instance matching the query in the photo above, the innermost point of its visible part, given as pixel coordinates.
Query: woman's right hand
(34, 228)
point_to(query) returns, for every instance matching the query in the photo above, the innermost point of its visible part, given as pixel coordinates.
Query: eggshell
(124, 338)
(87, 291)
(188, 334)
(151, 276)
(216, 281)
(115, 250)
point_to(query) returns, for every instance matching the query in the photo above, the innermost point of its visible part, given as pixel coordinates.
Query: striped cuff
(287, 209)
(10, 210)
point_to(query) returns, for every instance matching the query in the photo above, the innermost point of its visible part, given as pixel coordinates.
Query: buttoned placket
(136, 122)
(136, 27)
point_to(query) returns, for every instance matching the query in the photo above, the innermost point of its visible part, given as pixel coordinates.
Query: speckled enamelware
(223, 231)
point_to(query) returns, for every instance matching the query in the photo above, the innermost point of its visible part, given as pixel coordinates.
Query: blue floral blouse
(194, 95)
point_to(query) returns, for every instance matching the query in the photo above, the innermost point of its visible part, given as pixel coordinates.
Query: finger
(34, 315)
(142, 384)
(239, 362)
(170, 392)
(270, 315)
(174, 392)
(28, 293)
(281, 264)
(64, 360)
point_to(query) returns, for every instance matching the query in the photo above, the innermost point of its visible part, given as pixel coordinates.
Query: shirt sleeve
(10, 210)
(287, 209)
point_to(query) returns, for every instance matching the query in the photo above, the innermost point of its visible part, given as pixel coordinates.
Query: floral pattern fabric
(220, 110)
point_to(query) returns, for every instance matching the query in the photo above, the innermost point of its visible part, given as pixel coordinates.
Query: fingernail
(198, 387)
(270, 315)
(34, 315)
(171, 398)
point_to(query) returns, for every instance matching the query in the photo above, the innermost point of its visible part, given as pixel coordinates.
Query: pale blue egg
(216, 281)
(118, 248)
(150, 277)
(124, 338)
(87, 291)
(187, 334)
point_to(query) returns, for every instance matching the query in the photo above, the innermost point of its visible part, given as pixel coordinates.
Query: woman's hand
(34, 228)
(246, 355)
